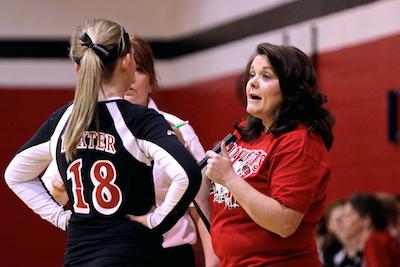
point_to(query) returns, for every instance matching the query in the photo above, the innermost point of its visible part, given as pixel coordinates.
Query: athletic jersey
(110, 175)
(292, 169)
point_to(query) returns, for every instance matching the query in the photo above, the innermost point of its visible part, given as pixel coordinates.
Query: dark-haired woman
(365, 219)
(270, 186)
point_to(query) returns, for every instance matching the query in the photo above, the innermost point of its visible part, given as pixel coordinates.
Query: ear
(367, 221)
(127, 62)
(77, 67)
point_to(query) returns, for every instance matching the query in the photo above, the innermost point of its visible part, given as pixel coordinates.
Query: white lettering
(94, 140)
(245, 162)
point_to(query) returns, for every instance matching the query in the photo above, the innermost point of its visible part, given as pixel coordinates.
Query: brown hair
(302, 100)
(367, 205)
(144, 58)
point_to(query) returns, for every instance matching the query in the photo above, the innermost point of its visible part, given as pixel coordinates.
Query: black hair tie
(86, 40)
(100, 50)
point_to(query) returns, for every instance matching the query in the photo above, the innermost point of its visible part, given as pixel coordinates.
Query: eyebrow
(267, 67)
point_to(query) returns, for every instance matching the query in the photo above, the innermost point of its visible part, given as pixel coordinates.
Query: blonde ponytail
(94, 66)
(85, 100)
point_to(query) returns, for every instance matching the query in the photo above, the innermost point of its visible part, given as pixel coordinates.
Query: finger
(211, 154)
(207, 168)
(58, 184)
(208, 174)
(224, 151)
(130, 217)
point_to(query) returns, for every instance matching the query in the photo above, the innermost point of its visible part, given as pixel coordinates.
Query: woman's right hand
(58, 191)
(142, 219)
(219, 166)
(58, 187)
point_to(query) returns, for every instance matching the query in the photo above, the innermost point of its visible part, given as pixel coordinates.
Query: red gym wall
(356, 80)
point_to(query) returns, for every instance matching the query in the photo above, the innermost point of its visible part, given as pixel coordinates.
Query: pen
(180, 124)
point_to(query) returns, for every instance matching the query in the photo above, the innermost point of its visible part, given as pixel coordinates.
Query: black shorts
(124, 244)
(179, 256)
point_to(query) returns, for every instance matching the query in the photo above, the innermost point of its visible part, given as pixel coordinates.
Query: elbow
(7, 178)
(288, 223)
(287, 230)
(283, 230)
(195, 180)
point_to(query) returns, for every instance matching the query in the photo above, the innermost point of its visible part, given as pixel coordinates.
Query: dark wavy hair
(368, 205)
(302, 100)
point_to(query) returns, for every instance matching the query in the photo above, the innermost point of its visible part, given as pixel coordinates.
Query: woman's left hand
(219, 166)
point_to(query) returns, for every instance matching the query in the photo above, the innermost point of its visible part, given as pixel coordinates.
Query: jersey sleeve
(297, 176)
(160, 144)
(22, 175)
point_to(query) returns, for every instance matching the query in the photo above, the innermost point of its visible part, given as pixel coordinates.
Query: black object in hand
(230, 138)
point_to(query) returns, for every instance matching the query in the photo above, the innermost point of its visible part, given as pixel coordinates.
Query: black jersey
(110, 175)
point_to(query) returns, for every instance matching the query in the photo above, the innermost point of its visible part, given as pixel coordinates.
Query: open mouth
(254, 97)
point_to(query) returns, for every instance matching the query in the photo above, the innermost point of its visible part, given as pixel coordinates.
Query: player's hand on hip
(58, 186)
(142, 219)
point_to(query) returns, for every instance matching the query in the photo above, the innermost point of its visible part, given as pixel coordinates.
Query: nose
(253, 82)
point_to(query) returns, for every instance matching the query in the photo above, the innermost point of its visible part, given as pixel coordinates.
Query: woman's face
(263, 91)
(139, 91)
(354, 224)
(335, 224)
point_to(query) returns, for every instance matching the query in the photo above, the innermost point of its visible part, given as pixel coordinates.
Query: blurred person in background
(337, 250)
(365, 220)
(391, 207)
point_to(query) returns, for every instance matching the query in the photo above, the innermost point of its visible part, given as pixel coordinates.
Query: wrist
(231, 180)
(148, 220)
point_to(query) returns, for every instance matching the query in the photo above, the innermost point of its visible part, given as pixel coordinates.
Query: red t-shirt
(381, 250)
(294, 169)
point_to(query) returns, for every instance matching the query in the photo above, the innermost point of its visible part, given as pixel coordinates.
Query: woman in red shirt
(270, 186)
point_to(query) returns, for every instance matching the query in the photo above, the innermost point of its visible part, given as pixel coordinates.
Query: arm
(265, 211)
(211, 260)
(22, 174)
(161, 145)
(185, 177)
(150, 138)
